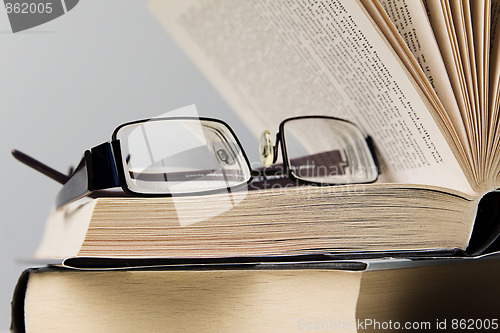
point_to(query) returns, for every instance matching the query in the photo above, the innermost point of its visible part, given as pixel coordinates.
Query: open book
(420, 78)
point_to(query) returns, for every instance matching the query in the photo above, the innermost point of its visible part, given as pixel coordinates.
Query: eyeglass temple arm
(96, 171)
(40, 167)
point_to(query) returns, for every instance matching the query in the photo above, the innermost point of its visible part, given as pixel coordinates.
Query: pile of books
(124, 275)
(414, 250)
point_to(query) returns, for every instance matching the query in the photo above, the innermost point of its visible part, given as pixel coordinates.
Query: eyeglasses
(187, 156)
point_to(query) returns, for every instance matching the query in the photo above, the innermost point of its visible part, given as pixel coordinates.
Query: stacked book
(413, 250)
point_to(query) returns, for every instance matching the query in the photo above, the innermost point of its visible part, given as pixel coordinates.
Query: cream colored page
(494, 65)
(480, 11)
(273, 59)
(462, 24)
(480, 26)
(494, 89)
(410, 18)
(469, 52)
(441, 22)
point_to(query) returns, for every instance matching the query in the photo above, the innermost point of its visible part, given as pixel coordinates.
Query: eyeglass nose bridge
(267, 151)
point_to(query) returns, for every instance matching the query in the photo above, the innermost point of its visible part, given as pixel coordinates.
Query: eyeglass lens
(180, 156)
(328, 151)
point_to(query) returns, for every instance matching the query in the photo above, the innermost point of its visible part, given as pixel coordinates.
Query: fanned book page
(465, 32)
(494, 88)
(409, 18)
(273, 59)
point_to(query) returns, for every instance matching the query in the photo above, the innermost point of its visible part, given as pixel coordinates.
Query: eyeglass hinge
(103, 169)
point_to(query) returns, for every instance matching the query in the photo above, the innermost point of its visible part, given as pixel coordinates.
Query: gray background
(64, 87)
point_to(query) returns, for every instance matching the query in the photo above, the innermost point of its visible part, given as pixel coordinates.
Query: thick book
(293, 221)
(380, 295)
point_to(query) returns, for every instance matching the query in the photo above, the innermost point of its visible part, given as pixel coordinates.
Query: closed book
(382, 295)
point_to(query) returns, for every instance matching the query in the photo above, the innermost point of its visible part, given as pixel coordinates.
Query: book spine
(486, 233)
(17, 324)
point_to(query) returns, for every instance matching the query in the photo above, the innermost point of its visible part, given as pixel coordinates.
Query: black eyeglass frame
(101, 167)
(287, 170)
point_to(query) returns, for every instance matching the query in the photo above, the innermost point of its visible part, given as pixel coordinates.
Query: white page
(273, 60)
